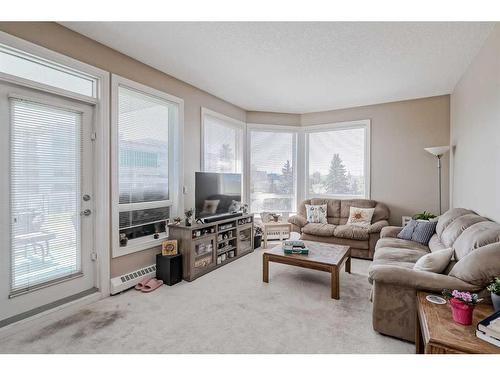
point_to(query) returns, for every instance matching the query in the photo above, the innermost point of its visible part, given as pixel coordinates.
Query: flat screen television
(217, 194)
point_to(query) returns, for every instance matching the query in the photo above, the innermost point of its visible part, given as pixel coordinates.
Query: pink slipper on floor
(143, 283)
(152, 285)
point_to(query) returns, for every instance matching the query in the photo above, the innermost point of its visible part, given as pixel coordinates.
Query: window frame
(337, 126)
(175, 165)
(238, 125)
(298, 131)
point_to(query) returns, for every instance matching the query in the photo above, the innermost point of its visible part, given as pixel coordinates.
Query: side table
(276, 231)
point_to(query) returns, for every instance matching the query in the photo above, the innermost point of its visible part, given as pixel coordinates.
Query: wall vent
(128, 280)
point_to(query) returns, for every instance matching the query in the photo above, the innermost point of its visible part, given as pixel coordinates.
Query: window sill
(139, 244)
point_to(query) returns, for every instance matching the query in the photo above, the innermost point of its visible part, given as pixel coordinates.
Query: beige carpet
(227, 311)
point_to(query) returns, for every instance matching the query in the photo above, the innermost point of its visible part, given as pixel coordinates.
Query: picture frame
(169, 247)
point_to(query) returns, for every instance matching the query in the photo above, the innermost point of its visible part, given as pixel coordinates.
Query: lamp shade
(437, 151)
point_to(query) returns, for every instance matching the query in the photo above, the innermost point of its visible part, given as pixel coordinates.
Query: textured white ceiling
(301, 67)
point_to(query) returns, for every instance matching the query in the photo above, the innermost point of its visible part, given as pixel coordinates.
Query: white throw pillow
(435, 262)
(316, 213)
(361, 217)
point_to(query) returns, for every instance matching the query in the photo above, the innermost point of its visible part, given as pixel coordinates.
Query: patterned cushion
(418, 231)
(360, 216)
(316, 213)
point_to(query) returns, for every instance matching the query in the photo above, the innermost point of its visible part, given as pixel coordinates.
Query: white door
(46, 196)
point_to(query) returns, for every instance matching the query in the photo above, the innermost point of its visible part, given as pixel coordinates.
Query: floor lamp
(438, 152)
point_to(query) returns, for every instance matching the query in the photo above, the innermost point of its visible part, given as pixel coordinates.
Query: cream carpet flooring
(227, 311)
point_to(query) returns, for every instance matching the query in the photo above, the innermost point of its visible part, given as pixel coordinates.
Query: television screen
(217, 193)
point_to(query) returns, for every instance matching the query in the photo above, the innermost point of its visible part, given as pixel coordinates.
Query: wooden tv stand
(206, 247)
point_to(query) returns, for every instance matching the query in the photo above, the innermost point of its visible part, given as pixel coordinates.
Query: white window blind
(24, 65)
(221, 145)
(144, 124)
(272, 171)
(45, 193)
(336, 162)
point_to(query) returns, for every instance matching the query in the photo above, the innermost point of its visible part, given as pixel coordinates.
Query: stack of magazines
(489, 329)
(295, 247)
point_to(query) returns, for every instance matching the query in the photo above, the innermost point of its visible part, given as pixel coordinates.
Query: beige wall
(290, 119)
(403, 175)
(475, 133)
(65, 41)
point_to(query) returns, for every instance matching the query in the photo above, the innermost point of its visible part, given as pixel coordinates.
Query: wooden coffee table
(322, 257)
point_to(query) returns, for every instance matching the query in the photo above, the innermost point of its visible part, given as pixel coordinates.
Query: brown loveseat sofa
(361, 240)
(476, 245)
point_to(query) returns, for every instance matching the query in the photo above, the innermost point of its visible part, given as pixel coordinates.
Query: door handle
(86, 212)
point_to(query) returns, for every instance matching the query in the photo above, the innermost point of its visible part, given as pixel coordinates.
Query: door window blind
(337, 162)
(45, 193)
(222, 146)
(272, 171)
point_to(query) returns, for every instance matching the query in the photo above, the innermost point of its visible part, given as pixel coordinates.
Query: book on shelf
(490, 326)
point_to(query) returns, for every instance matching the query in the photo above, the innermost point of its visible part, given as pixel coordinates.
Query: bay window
(222, 143)
(272, 153)
(337, 160)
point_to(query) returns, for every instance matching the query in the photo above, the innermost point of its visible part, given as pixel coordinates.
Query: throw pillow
(361, 217)
(434, 262)
(210, 206)
(408, 229)
(316, 213)
(419, 231)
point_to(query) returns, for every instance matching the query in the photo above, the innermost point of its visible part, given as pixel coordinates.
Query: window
(272, 161)
(338, 160)
(147, 134)
(29, 67)
(222, 149)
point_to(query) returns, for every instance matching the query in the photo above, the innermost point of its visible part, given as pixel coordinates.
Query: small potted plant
(427, 216)
(257, 237)
(189, 215)
(462, 305)
(494, 289)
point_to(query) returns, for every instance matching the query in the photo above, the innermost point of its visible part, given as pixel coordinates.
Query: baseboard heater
(128, 280)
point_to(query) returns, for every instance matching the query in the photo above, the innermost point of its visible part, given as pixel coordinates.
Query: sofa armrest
(298, 220)
(377, 226)
(419, 280)
(390, 231)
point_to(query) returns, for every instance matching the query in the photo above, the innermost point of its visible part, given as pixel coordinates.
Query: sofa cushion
(434, 262)
(477, 235)
(457, 226)
(345, 207)
(354, 232)
(435, 244)
(332, 206)
(316, 229)
(401, 244)
(401, 257)
(448, 217)
(480, 266)
(353, 244)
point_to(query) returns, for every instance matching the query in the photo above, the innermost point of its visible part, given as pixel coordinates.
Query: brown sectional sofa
(361, 240)
(476, 244)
